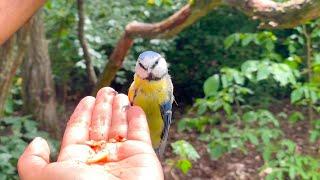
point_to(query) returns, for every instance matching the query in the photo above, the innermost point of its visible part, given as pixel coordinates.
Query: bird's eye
(155, 64)
(142, 66)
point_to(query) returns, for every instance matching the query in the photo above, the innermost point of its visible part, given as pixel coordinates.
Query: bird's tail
(163, 144)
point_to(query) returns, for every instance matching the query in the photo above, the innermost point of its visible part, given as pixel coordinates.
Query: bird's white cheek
(159, 71)
(142, 73)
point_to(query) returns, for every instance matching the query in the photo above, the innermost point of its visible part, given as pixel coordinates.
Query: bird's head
(151, 66)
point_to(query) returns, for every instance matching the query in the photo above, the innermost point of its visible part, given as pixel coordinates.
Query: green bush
(16, 132)
(185, 155)
(282, 161)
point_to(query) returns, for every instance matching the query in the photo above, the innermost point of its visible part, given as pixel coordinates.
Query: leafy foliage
(17, 132)
(258, 127)
(235, 74)
(186, 153)
(282, 160)
(14, 101)
(233, 88)
(295, 116)
(315, 132)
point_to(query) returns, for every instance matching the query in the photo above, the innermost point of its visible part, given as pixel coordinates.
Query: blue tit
(152, 90)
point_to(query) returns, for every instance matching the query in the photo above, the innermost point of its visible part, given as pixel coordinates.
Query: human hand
(101, 118)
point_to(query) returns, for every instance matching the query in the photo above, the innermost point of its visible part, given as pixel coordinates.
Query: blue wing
(166, 113)
(166, 116)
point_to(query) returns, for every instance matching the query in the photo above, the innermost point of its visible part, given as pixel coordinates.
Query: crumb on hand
(101, 152)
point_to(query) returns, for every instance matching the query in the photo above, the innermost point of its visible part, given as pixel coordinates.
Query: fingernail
(125, 108)
(38, 140)
(37, 144)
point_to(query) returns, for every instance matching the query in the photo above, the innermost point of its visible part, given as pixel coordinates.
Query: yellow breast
(149, 95)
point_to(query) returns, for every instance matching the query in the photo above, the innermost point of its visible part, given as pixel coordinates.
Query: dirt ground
(235, 165)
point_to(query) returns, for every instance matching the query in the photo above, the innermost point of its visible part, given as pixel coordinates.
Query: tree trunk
(38, 85)
(11, 57)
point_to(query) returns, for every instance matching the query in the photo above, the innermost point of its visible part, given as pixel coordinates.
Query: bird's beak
(150, 77)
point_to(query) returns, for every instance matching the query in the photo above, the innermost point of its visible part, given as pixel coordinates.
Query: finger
(119, 123)
(77, 130)
(101, 115)
(137, 125)
(34, 158)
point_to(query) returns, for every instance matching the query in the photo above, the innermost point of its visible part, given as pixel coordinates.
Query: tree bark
(308, 47)
(171, 26)
(278, 15)
(38, 85)
(86, 55)
(272, 15)
(11, 57)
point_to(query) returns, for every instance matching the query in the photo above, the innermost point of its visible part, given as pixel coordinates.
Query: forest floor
(235, 165)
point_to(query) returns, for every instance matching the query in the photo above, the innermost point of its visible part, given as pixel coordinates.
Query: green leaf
(8, 107)
(269, 45)
(216, 150)
(292, 172)
(249, 67)
(295, 117)
(205, 137)
(227, 108)
(313, 95)
(229, 41)
(271, 176)
(167, 2)
(238, 78)
(252, 138)
(265, 136)
(211, 85)
(158, 2)
(263, 73)
(182, 125)
(296, 95)
(185, 150)
(184, 165)
(315, 33)
(314, 135)
(224, 81)
(247, 39)
(250, 116)
(291, 146)
(202, 108)
(266, 154)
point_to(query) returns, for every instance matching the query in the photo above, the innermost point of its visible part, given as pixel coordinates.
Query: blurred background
(247, 97)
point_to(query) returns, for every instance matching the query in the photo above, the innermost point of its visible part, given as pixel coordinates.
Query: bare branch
(12, 53)
(86, 55)
(171, 26)
(279, 15)
(272, 15)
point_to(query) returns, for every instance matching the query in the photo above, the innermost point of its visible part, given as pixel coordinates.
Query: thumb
(33, 159)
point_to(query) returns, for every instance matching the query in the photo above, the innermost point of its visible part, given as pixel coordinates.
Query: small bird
(152, 90)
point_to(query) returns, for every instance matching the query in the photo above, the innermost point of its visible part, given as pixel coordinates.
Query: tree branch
(171, 26)
(11, 56)
(86, 55)
(273, 15)
(278, 15)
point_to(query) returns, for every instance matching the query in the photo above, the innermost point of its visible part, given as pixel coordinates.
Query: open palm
(101, 118)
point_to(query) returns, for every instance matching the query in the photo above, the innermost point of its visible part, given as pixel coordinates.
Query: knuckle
(87, 99)
(106, 90)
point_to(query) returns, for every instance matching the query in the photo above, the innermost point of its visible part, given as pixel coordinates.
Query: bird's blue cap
(149, 54)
